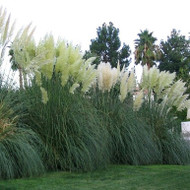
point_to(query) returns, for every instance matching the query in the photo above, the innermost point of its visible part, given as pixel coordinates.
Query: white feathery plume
(138, 100)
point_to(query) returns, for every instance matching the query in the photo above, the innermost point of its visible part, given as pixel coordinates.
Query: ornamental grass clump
(49, 57)
(109, 79)
(20, 147)
(130, 142)
(162, 96)
(69, 126)
(70, 64)
(161, 88)
(166, 132)
(56, 106)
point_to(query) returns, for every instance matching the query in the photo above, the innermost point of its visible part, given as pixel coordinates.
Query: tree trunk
(148, 65)
(20, 78)
(25, 80)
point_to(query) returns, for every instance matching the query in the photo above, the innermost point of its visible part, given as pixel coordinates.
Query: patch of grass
(114, 177)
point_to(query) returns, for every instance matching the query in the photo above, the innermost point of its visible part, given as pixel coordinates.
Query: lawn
(114, 177)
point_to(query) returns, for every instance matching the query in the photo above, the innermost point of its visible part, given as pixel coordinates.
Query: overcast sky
(77, 20)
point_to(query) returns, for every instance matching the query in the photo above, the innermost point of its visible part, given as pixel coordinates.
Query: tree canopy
(107, 46)
(176, 55)
(146, 51)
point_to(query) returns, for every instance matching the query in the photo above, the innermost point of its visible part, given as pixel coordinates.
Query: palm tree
(22, 50)
(146, 52)
(15, 66)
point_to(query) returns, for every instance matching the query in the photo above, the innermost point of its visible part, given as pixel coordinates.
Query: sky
(77, 20)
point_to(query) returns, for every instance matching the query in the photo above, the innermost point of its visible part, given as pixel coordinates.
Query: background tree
(107, 46)
(22, 51)
(15, 66)
(146, 51)
(176, 58)
(176, 55)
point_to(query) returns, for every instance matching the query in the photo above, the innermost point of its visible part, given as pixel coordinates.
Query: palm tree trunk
(25, 80)
(20, 78)
(148, 65)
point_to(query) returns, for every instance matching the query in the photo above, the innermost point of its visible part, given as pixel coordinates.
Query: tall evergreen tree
(107, 46)
(146, 51)
(176, 55)
(176, 58)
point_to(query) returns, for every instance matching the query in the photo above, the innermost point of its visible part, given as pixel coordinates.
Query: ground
(113, 178)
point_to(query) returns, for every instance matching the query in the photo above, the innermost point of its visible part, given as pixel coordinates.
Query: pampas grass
(166, 131)
(20, 147)
(162, 89)
(69, 127)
